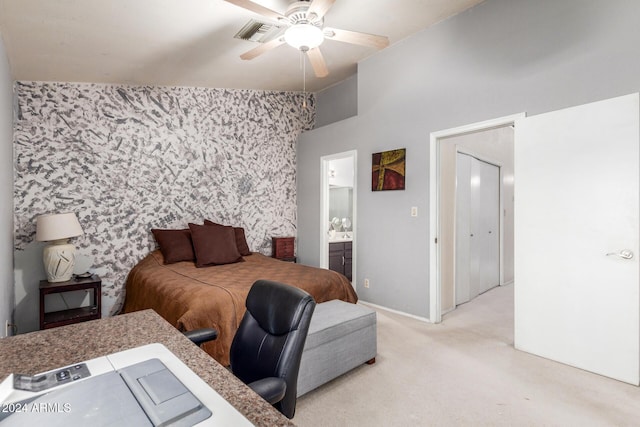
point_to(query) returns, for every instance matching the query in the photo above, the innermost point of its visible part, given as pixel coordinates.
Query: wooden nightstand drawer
(283, 247)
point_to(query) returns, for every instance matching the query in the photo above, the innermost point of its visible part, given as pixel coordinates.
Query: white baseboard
(402, 313)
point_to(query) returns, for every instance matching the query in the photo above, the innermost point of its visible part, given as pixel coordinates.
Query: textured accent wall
(127, 159)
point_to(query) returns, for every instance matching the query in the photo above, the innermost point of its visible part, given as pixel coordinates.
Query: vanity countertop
(41, 351)
(340, 239)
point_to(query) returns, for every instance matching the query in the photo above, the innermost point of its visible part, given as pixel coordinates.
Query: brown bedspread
(191, 298)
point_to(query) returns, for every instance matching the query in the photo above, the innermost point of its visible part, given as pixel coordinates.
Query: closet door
(487, 233)
(477, 227)
(463, 228)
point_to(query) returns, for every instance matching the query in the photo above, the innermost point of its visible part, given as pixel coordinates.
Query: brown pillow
(214, 245)
(175, 245)
(241, 240)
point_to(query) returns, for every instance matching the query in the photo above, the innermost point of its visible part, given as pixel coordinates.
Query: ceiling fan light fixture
(304, 36)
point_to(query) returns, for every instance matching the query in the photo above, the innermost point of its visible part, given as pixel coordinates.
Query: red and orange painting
(387, 171)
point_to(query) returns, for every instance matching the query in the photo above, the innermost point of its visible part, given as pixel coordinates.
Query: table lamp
(58, 257)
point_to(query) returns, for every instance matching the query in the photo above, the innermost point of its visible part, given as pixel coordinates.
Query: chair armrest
(200, 336)
(271, 389)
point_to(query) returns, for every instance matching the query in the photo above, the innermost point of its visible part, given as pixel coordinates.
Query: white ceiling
(189, 42)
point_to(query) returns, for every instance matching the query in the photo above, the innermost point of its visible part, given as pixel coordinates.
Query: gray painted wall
(499, 58)
(338, 102)
(6, 191)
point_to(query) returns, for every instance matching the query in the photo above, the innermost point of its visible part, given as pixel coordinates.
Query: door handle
(624, 254)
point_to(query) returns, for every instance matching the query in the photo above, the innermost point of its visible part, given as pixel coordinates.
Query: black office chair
(201, 336)
(267, 347)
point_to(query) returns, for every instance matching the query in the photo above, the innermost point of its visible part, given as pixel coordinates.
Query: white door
(487, 231)
(576, 225)
(477, 227)
(463, 229)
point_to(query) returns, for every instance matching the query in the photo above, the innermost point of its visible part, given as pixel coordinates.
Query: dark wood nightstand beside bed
(283, 248)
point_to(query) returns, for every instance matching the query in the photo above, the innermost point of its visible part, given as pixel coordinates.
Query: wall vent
(257, 31)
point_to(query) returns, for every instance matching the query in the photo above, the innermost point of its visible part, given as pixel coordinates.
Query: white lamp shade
(304, 35)
(52, 227)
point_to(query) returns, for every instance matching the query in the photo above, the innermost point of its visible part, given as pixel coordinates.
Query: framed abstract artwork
(387, 170)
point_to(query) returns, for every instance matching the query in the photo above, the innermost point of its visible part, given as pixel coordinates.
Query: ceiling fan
(306, 31)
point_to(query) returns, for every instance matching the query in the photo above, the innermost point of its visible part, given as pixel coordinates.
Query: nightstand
(72, 315)
(283, 248)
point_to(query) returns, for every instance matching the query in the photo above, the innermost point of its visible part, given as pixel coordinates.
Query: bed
(189, 297)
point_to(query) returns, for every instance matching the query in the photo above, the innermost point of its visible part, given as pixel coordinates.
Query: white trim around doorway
(324, 209)
(435, 314)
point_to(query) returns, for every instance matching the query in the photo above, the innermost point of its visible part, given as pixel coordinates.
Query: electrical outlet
(366, 283)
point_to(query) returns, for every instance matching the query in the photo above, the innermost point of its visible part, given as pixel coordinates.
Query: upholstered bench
(341, 336)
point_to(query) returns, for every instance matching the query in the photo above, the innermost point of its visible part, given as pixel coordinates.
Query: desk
(52, 348)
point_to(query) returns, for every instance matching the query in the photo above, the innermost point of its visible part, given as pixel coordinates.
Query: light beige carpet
(465, 371)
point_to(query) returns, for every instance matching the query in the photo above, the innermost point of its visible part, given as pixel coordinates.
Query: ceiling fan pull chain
(304, 80)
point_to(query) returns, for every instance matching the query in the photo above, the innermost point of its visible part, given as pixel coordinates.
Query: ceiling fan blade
(354, 37)
(320, 7)
(259, 9)
(262, 48)
(317, 62)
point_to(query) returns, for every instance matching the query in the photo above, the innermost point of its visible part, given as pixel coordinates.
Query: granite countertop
(52, 348)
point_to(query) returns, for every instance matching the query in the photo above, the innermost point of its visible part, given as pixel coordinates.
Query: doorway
(482, 140)
(338, 216)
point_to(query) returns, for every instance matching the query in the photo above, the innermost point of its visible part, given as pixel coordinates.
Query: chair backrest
(271, 337)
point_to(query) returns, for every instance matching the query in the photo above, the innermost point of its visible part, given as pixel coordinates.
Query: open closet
(477, 233)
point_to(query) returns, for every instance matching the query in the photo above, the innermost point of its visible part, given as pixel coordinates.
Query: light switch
(414, 211)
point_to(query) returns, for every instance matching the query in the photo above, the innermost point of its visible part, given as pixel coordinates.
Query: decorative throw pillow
(241, 240)
(214, 245)
(175, 245)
